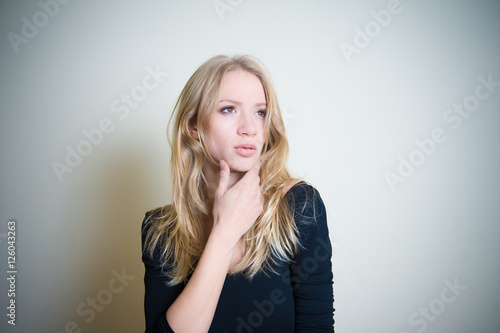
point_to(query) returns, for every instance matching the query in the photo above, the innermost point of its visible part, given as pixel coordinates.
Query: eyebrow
(239, 103)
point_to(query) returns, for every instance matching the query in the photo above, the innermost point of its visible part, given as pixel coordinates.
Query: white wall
(349, 118)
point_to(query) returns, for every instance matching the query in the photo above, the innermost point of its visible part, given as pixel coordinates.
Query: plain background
(348, 122)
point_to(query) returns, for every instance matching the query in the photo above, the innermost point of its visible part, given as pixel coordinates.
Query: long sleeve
(301, 301)
(158, 297)
(311, 272)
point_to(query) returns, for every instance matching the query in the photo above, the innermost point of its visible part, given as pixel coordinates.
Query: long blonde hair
(178, 228)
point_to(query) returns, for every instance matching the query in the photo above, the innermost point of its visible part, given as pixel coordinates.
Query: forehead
(242, 86)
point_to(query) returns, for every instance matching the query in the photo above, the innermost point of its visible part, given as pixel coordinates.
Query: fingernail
(221, 164)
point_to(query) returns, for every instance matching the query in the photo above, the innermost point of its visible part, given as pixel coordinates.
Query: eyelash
(225, 110)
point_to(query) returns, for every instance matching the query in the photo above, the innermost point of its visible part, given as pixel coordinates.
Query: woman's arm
(311, 273)
(194, 309)
(235, 210)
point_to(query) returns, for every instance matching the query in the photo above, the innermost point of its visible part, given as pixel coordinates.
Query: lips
(246, 149)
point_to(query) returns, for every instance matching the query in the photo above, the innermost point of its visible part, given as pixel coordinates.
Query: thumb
(223, 177)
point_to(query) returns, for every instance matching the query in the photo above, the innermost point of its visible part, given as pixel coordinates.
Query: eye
(228, 109)
(262, 113)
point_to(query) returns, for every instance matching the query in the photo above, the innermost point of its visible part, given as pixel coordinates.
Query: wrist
(220, 237)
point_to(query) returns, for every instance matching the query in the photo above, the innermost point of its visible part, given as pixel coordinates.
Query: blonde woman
(244, 246)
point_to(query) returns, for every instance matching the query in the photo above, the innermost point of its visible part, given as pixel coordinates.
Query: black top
(297, 299)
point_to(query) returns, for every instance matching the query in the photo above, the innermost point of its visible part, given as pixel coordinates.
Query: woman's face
(236, 133)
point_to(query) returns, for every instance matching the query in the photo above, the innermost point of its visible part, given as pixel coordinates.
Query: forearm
(234, 212)
(194, 308)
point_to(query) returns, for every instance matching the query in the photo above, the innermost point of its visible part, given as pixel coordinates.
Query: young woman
(244, 246)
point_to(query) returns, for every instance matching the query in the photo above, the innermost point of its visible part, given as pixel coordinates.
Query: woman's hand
(237, 208)
(235, 211)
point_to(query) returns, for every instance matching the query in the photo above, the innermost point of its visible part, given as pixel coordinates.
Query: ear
(193, 130)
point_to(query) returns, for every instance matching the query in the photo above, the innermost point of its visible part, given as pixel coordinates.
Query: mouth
(246, 150)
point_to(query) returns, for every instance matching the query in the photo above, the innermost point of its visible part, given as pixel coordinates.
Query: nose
(246, 125)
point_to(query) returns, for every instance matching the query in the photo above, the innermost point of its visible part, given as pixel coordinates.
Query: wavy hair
(177, 228)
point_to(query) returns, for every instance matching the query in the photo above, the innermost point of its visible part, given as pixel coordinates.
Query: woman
(243, 247)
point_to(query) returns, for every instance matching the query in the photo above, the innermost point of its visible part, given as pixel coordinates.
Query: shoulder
(305, 200)
(151, 233)
(309, 213)
(153, 217)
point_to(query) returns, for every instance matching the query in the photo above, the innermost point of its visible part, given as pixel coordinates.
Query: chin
(241, 166)
(240, 169)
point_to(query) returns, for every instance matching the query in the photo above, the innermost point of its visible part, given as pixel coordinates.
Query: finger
(256, 182)
(223, 176)
(257, 166)
(256, 179)
(251, 174)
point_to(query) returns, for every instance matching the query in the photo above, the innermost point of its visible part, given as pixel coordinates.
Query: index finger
(251, 174)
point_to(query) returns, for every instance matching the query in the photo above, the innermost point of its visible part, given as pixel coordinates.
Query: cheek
(219, 131)
(217, 136)
(264, 132)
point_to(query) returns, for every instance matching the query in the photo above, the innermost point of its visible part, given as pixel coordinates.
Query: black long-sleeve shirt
(299, 298)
